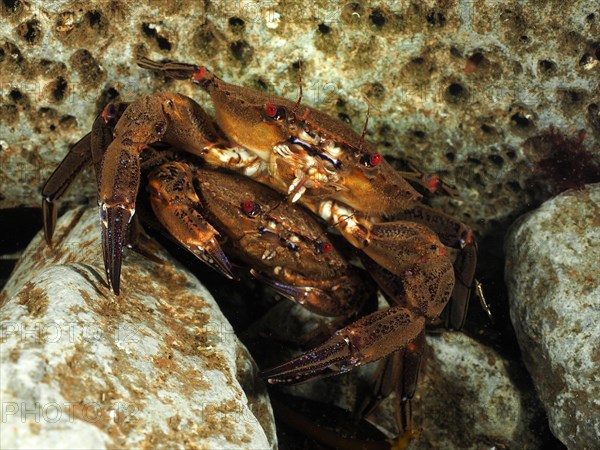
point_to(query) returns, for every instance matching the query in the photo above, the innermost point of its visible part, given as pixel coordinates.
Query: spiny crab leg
(376, 335)
(175, 203)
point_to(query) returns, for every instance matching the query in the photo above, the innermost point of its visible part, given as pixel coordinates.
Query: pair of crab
(290, 159)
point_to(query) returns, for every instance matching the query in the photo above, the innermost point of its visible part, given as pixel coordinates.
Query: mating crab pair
(308, 161)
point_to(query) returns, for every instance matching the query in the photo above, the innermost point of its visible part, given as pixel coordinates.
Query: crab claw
(175, 203)
(312, 298)
(115, 234)
(368, 339)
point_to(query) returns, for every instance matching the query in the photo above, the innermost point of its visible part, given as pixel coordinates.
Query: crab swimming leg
(175, 203)
(427, 287)
(399, 373)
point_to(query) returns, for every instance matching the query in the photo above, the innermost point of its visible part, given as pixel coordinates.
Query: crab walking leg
(464, 267)
(430, 182)
(427, 288)
(89, 149)
(398, 373)
(451, 231)
(175, 203)
(63, 176)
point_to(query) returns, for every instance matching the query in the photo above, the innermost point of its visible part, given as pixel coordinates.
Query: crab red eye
(374, 159)
(270, 109)
(466, 239)
(250, 208)
(371, 160)
(108, 113)
(105, 113)
(325, 247)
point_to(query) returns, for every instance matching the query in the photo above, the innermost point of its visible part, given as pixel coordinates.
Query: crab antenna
(362, 136)
(300, 83)
(274, 207)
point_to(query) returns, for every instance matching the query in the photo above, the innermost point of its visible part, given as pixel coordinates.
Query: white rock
(553, 277)
(470, 397)
(158, 366)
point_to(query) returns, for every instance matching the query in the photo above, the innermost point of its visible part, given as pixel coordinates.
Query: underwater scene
(300, 225)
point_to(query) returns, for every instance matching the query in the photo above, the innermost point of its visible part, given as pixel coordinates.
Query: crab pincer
(166, 117)
(176, 204)
(378, 334)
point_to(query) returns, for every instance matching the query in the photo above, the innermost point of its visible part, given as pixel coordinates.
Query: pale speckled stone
(470, 397)
(157, 367)
(553, 276)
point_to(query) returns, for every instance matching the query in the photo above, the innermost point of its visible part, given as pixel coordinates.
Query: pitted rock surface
(481, 93)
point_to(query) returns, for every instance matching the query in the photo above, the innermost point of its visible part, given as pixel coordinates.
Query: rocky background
(501, 98)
